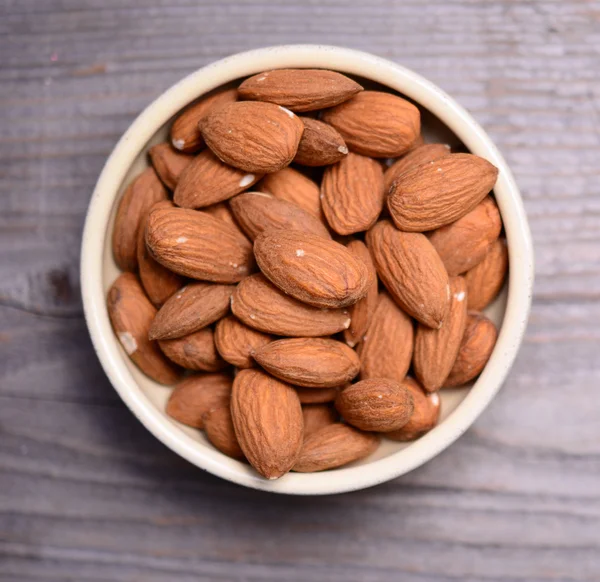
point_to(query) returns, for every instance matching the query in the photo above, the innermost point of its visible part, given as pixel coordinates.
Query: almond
(207, 180)
(316, 395)
(463, 244)
(168, 163)
(316, 416)
(256, 212)
(192, 308)
(362, 311)
(237, 342)
(299, 89)
(320, 144)
(378, 405)
(220, 432)
(376, 124)
(415, 157)
(267, 418)
(256, 137)
(387, 348)
(436, 349)
(311, 268)
(412, 271)
(475, 349)
(197, 245)
(352, 194)
(195, 351)
(309, 362)
(485, 280)
(143, 193)
(131, 314)
(194, 396)
(333, 446)
(435, 194)
(424, 417)
(185, 134)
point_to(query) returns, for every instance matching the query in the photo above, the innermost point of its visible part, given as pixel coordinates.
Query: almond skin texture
(352, 194)
(387, 349)
(463, 244)
(131, 314)
(185, 134)
(424, 417)
(237, 342)
(220, 432)
(415, 157)
(333, 446)
(222, 211)
(316, 416)
(309, 362)
(412, 271)
(312, 269)
(436, 349)
(168, 163)
(378, 405)
(320, 144)
(195, 351)
(362, 311)
(376, 124)
(262, 306)
(316, 395)
(143, 193)
(190, 309)
(486, 279)
(207, 180)
(196, 245)
(293, 186)
(435, 194)
(299, 89)
(257, 211)
(194, 396)
(256, 137)
(475, 349)
(267, 418)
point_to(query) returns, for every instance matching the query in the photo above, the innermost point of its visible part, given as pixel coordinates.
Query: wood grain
(87, 494)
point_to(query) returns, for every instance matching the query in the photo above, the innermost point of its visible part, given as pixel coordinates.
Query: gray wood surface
(87, 494)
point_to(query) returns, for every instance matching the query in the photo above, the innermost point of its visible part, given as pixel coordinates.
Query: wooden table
(87, 494)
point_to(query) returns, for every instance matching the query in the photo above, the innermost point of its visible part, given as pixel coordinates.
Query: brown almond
(316, 395)
(309, 362)
(424, 417)
(168, 163)
(485, 280)
(143, 193)
(267, 418)
(352, 194)
(311, 268)
(463, 244)
(256, 212)
(316, 416)
(194, 396)
(256, 137)
(195, 351)
(475, 349)
(220, 432)
(299, 89)
(333, 446)
(185, 134)
(376, 124)
(190, 309)
(237, 342)
(387, 348)
(436, 349)
(362, 311)
(131, 314)
(415, 157)
(435, 194)
(207, 180)
(412, 271)
(320, 144)
(196, 245)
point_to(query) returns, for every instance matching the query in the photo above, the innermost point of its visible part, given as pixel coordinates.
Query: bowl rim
(352, 62)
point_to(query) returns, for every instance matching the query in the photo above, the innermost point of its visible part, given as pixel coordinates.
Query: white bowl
(147, 399)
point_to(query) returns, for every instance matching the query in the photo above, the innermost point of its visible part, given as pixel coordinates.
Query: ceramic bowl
(443, 120)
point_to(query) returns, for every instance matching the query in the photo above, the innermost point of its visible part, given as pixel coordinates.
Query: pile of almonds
(289, 303)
